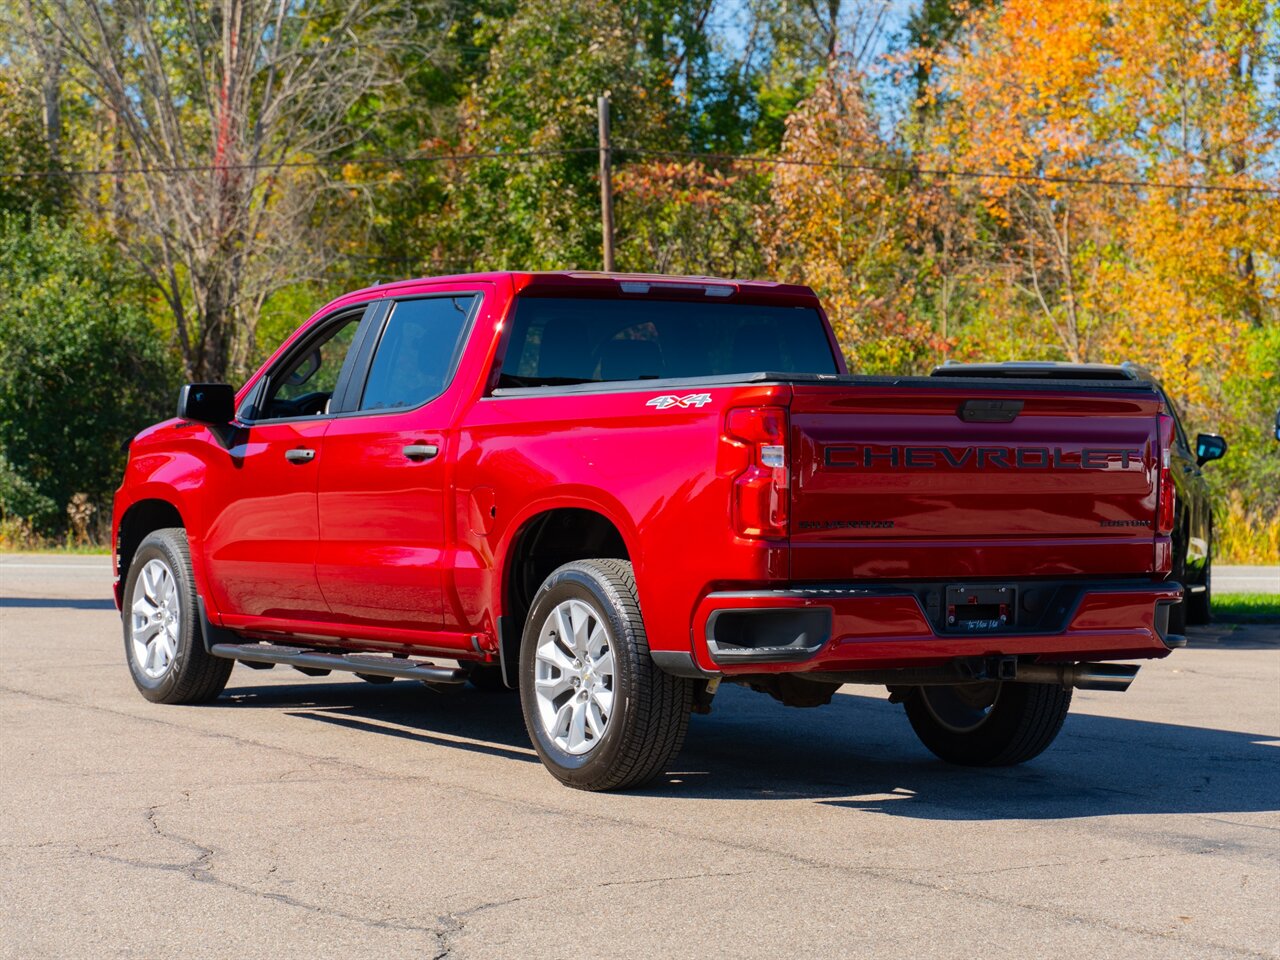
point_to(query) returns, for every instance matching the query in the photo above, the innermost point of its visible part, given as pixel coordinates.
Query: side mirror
(1209, 446)
(213, 403)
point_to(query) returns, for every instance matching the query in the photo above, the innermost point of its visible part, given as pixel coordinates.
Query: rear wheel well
(548, 541)
(139, 520)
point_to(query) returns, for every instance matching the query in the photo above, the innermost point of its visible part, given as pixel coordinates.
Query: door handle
(300, 455)
(421, 451)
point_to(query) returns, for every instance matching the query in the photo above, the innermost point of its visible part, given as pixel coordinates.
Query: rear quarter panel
(653, 473)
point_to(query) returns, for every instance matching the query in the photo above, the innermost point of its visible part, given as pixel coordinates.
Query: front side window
(417, 352)
(303, 385)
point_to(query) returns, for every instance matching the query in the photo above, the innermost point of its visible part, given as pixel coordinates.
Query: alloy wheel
(574, 677)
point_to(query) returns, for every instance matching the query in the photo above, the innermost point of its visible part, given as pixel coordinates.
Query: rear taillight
(1167, 495)
(757, 438)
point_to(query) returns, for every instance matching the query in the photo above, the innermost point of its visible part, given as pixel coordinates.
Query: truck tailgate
(934, 479)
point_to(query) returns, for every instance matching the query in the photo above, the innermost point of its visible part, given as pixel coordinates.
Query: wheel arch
(141, 518)
(544, 540)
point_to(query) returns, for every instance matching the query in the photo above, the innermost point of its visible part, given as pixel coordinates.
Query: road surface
(298, 818)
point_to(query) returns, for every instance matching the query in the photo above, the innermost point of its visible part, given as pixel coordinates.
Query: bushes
(82, 369)
(1245, 482)
(1243, 536)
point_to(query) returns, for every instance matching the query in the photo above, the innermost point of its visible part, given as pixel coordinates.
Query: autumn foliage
(1081, 180)
(1074, 91)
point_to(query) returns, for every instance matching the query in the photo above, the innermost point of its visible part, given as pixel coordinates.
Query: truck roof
(579, 282)
(1044, 370)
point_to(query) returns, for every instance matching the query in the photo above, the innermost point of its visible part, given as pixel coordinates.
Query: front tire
(992, 724)
(600, 714)
(162, 639)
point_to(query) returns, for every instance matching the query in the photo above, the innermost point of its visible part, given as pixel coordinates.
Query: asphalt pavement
(1246, 579)
(302, 818)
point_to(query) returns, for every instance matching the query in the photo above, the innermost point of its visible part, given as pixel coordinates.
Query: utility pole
(606, 182)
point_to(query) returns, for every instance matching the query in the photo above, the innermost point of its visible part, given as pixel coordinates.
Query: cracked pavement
(304, 818)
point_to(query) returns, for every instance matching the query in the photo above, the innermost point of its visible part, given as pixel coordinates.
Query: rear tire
(163, 642)
(990, 724)
(1200, 605)
(600, 713)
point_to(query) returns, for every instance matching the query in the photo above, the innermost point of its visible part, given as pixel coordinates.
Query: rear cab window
(562, 340)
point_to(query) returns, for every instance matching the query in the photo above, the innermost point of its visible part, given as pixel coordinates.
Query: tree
(234, 107)
(1062, 93)
(842, 221)
(81, 367)
(547, 65)
(23, 148)
(687, 218)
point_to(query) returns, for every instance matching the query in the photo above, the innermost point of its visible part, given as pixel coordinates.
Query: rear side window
(562, 340)
(417, 352)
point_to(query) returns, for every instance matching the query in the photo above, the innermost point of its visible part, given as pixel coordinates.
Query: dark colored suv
(1193, 529)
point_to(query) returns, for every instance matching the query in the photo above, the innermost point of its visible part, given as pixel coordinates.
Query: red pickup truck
(615, 493)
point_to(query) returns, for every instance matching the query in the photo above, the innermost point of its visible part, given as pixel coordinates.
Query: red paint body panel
(382, 522)
(363, 548)
(882, 632)
(259, 546)
(605, 452)
(928, 507)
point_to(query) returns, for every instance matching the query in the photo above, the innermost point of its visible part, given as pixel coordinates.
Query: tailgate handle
(990, 411)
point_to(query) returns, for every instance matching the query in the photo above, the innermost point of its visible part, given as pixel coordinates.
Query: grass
(1247, 607)
(17, 536)
(79, 549)
(1241, 536)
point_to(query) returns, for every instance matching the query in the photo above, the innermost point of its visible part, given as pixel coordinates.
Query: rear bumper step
(841, 629)
(309, 661)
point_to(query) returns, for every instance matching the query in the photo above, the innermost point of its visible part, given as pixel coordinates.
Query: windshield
(576, 340)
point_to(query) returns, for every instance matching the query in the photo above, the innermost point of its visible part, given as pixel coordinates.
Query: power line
(713, 157)
(954, 172)
(295, 164)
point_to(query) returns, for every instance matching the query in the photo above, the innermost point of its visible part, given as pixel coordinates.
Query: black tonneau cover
(939, 380)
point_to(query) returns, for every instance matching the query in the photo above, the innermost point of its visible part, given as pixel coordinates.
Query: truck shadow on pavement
(55, 603)
(860, 753)
(462, 719)
(1259, 633)
(857, 753)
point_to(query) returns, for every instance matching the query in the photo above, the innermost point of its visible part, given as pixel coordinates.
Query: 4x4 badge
(670, 400)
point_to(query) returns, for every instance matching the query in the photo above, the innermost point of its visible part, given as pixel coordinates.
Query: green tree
(548, 63)
(82, 368)
(23, 149)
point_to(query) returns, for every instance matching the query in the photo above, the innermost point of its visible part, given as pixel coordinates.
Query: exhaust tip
(1103, 676)
(1082, 676)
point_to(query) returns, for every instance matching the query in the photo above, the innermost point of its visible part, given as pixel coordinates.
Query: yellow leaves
(1116, 90)
(847, 230)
